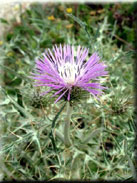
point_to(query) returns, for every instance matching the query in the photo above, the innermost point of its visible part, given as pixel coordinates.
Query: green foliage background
(26, 117)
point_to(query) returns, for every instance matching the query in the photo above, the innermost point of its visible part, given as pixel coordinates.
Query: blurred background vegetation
(26, 117)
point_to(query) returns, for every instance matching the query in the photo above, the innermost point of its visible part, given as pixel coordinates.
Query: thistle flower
(63, 70)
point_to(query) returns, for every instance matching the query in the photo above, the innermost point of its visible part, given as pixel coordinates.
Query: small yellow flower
(1, 43)
(69, 10)
(10, 54)
(93, 13)
(51, 17)
(69, 26)
(16, 7)
(101, 11)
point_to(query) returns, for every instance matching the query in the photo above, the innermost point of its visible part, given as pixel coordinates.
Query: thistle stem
(59, 135)
(67, 140)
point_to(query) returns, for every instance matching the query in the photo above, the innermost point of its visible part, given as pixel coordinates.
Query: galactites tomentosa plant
(66, 70)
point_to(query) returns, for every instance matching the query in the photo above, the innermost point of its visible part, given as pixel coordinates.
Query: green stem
(67, 141)
(91, 135)
(59, 135)
(76, 166)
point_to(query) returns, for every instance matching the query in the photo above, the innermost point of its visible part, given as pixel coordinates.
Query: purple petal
(46, 92)
(57, 92)
(68, 96)
(61, 96)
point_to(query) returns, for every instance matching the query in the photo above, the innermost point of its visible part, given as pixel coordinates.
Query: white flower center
(68, 72)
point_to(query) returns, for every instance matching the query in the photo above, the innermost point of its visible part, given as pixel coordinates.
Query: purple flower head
(65, 68)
